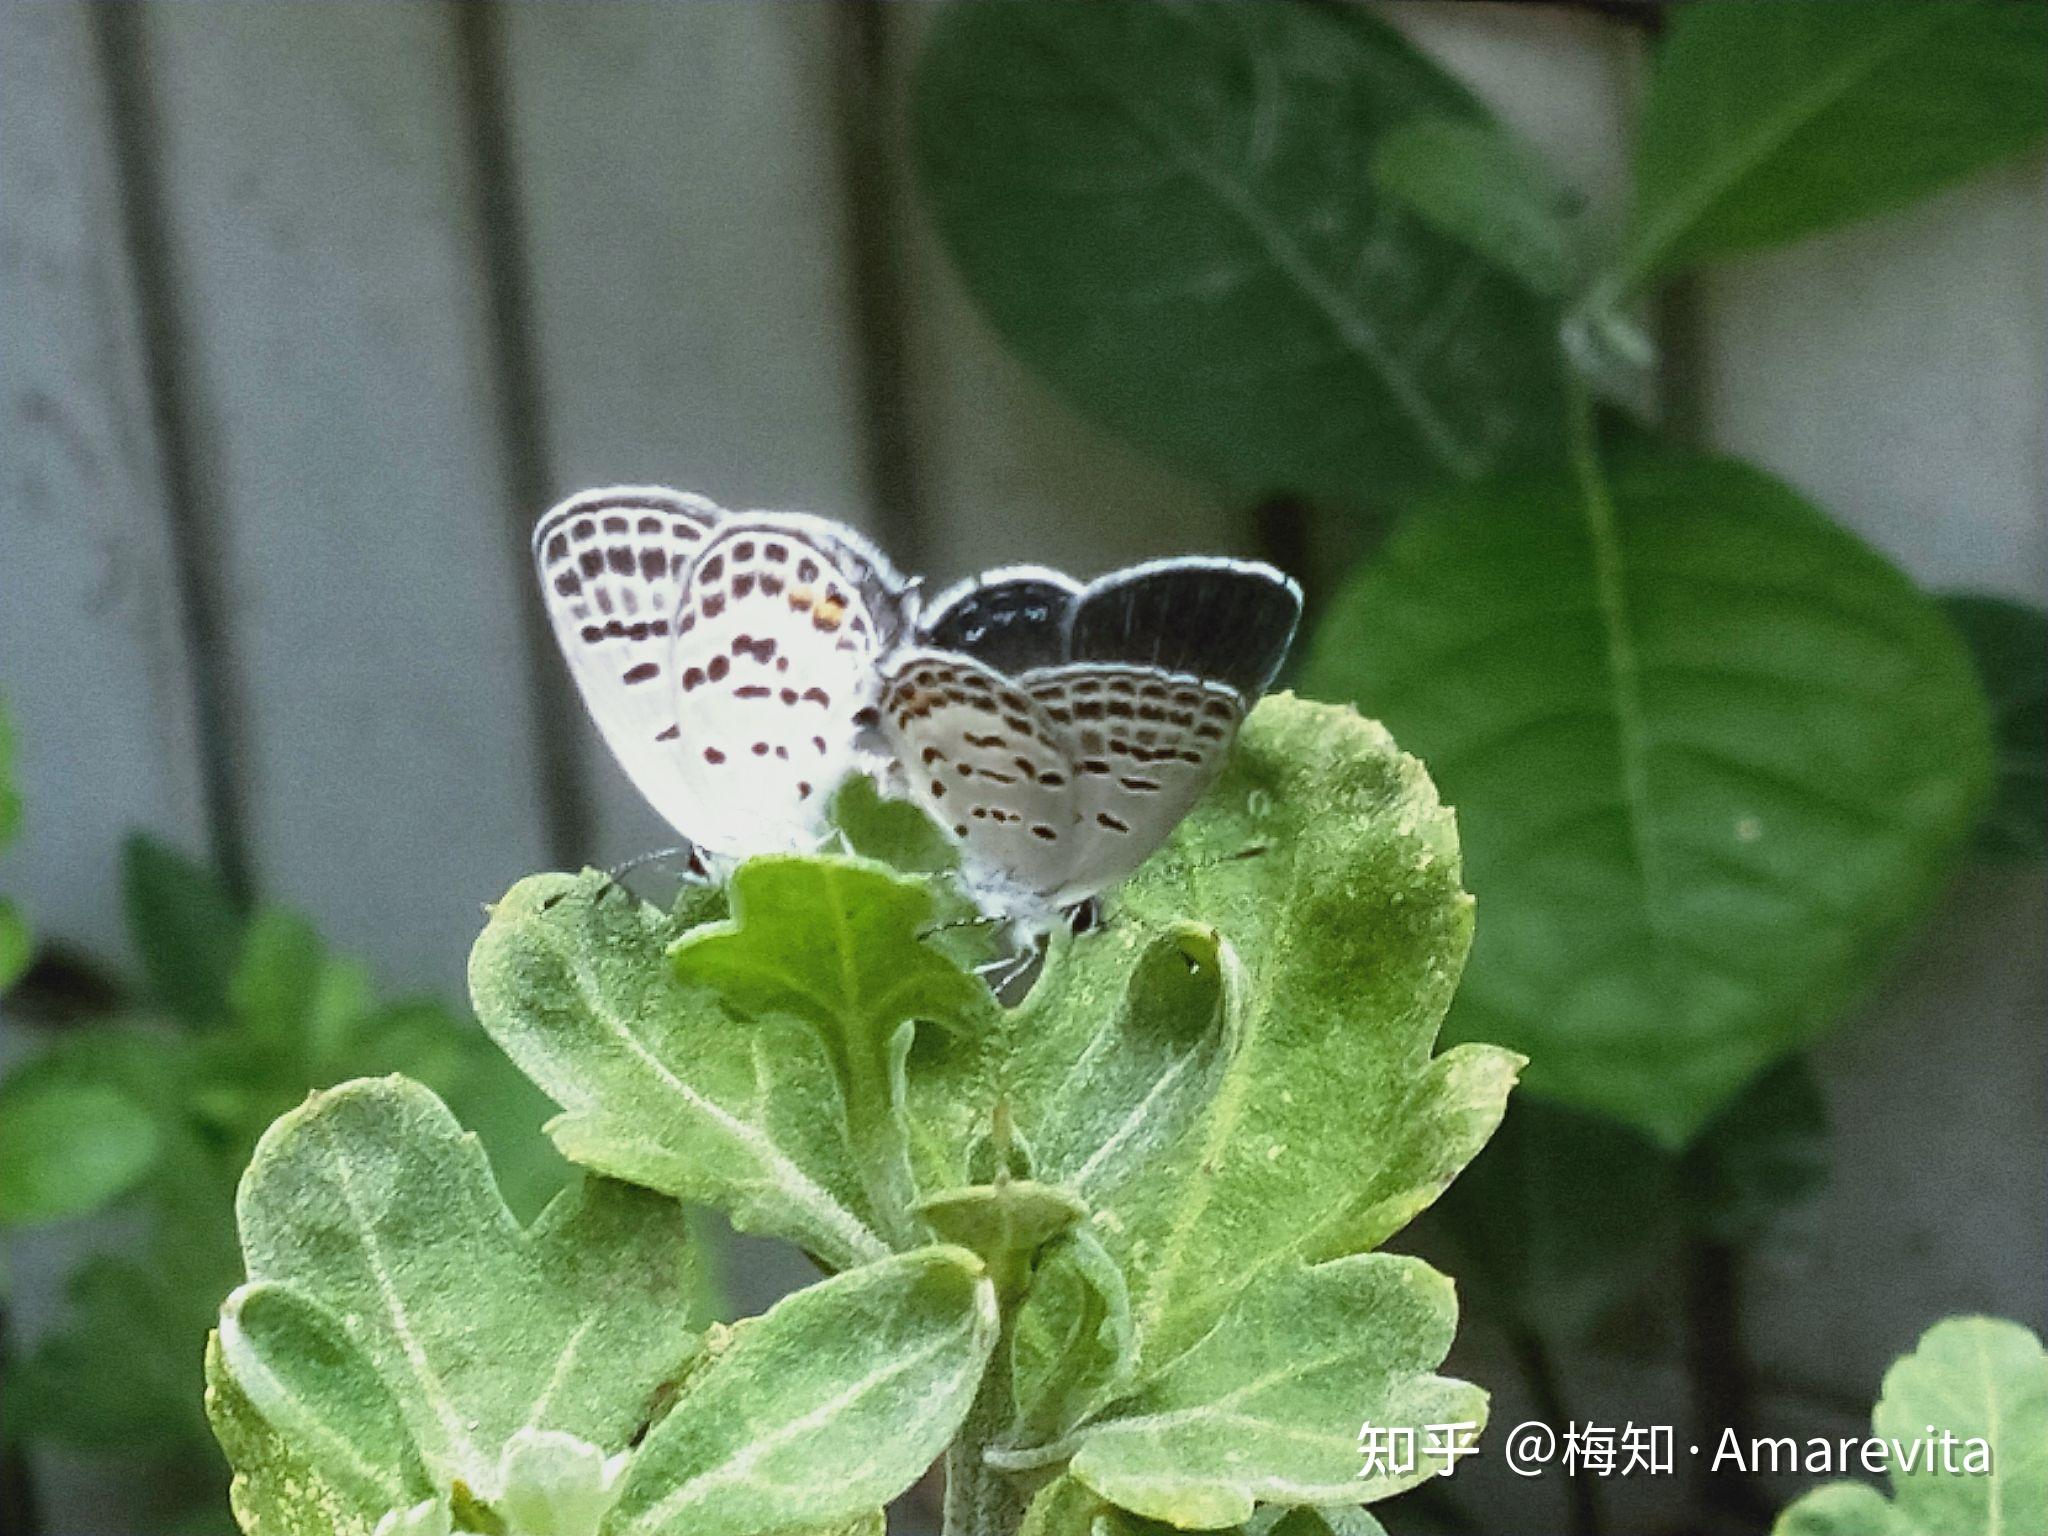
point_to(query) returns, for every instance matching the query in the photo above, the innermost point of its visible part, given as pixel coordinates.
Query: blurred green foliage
(14, 939)
(149, 1115)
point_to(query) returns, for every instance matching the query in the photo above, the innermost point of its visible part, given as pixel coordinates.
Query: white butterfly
(728, 658)
(1060, 731)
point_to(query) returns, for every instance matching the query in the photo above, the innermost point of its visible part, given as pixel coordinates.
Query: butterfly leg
(1006, 970)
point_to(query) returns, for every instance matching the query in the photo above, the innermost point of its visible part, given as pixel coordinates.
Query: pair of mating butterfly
(741, 664)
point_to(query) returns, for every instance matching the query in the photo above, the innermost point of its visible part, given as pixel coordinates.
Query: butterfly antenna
(954, 924)
(694, 867)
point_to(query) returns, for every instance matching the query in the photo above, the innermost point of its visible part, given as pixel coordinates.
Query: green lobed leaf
(1767, 122)
(837, 943)
(187, 928)
(1268, 1405)
(371, 1203)
(276, 1490)
(68, 1147)
(2008, 644)
(1976, 1378)
(295, 1367)
(1471, 182)
(660, 1084)
(1073, 1347)
(892, 832)
(1169, 211)
(1711, 755)
(830, 1405)
(1238, 1061)
(1005, 1224)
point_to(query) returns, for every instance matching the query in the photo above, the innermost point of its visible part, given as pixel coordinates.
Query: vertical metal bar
(199, 566)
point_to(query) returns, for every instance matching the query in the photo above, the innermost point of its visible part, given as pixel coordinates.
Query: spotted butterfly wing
(987, 763)
(1136, 684)
(1227, 621)
(1011, 619)
(1146, 745)
(777, 632)
(725, 656)
(611, 565)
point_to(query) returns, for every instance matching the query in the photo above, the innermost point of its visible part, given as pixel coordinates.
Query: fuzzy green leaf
(1844, 1509)
(277, 1490)
(370, 1203)
(1711, 756)
(1976, 1378)
(1768, 121)
(2008, 644)
(1238, 1061)
(1005, 1223)
(1073, 1347)
(836, 943)
(68, 1147)
(294, 1364)
(1268, 1405)
(1169, 211)
(830, 1405)
(660, 1084)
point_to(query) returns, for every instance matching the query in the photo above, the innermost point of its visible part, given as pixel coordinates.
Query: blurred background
(310, 309)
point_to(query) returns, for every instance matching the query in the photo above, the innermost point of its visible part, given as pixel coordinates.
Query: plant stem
(980, 1501)
(1546, 1393)
(1717, 1373)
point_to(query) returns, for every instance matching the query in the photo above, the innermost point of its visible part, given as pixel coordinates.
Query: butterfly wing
(1010, 619)
(983, 760)
(1230, 621)
(611, 566)
(777, 631)
(1145, 745)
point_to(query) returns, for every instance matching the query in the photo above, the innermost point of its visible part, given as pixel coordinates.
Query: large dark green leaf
(1710, 755)
(2009, 643)
(1769, 121)
(1559, 1218)
(1171, 212)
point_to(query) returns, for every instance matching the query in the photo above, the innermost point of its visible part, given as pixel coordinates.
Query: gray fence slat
(93, 662)
(1897, 371)
(679, 175)
(315, 168)
(92, 658)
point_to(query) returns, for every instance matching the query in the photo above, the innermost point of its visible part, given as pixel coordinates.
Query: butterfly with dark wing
(728, 658)
(1060, 731)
